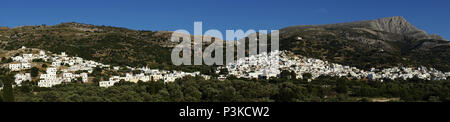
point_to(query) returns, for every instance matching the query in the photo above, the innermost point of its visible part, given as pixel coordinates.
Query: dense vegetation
(6, 81)
(196, 89)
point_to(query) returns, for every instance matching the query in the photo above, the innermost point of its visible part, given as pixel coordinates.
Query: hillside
(385, 42)
(378, 43)
(109, 45)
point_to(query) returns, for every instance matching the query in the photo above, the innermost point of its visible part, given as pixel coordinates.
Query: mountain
(396, 25)
(386, 42)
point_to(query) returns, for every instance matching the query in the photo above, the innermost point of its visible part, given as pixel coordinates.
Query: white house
(67, 76)
(51, 70)
(19, 78)
(84, 77)
(169, 78)
(206, 77)
(27, 56)
(107, 83)
(156, 77)
(49, 82)
(56, 63)
(26, 65)
(42, 53)
(15, 67)
(221, 78)
(63, 54)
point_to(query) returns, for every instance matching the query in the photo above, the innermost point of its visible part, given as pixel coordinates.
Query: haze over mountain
(385, 42)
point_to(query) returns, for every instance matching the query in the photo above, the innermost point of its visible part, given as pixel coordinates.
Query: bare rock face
(395, 25)
(400, 25)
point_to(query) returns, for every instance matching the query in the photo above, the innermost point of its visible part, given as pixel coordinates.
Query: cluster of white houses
(52, 77)
(149, 75)
(63, 68)
(267, 65)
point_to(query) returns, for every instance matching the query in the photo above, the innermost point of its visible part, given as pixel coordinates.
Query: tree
(341, 88)
(223, 71)
(228, 94)
(79, 79)
(96, 80)
(175, 92)
(25, 88)
(7, 79)
(307, 76)
(97, 71)
(192, 94)
(34, 72)
(286, 74)
(4, 60)
(38, 60)
(137, 71)
(44, 65)
(293, 75)
(289, 92)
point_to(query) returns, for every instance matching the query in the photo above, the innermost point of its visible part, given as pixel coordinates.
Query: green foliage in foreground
(196, 89)
(7, 79)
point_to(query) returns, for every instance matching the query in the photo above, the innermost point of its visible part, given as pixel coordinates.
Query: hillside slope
(378, 43)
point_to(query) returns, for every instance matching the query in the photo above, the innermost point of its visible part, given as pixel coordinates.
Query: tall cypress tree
(7, 79)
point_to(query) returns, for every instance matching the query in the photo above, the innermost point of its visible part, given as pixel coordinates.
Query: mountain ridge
(395, 24)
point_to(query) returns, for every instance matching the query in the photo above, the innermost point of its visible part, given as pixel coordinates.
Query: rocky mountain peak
(396, 24)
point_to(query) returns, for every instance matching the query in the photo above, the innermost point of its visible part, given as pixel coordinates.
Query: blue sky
(429, 15)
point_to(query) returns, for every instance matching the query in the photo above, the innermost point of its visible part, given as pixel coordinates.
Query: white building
(15, 67)
(19, 78)
(107, 83)
(26, 65)
(49, 82)
(84, 77)
(51, 70)
(67, 76)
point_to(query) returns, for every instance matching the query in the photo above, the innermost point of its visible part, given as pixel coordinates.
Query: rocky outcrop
(395, 25)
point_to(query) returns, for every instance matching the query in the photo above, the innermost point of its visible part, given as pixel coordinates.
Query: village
(269, 65)
(65, 69)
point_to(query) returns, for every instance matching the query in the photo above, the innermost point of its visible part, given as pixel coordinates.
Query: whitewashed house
(15, 67)
(26, 65)
(169, 78)
(156, 77)
(49, 82)
(67, 76)
(19, 78)
(56, 63)
(107, 83)
(222, 77)
(51, 70)
(84, 77)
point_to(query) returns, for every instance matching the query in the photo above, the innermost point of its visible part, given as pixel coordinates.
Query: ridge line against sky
(169, 15)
